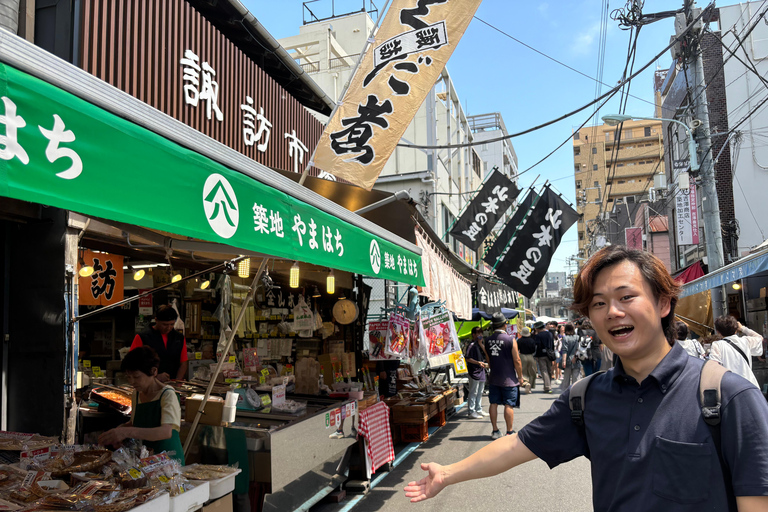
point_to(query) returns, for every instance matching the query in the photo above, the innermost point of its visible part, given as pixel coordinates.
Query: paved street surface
(533, 486)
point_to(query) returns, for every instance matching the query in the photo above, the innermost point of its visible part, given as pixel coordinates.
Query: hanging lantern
(244, 268)
(330, 283)
(295, 275)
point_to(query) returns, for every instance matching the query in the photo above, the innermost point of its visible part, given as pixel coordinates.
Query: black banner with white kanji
(527, 260)
(503, 241)
(491, 297)
(488, 206)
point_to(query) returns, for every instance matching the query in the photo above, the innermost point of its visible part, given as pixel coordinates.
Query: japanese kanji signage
(503, 242)
(487, 207)
(633, 238)
(527, 261)
(687, 217)
(410, 50)
(49, 134)
(491, 297)
(105, 285)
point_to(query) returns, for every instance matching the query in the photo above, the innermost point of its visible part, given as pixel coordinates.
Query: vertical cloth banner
(443, 283)
(410, 50)
(491, 297)
(502, 243)
(527, 261)
(687, 217)
(492, 201)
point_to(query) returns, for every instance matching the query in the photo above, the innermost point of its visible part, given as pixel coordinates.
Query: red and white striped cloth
(374, 427)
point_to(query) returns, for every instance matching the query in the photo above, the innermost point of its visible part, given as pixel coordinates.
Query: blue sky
(495, 73)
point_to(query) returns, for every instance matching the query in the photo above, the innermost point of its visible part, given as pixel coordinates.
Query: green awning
(62, 151)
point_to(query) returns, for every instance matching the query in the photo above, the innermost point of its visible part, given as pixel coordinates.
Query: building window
(575, 135)
(581, 236)
(627, 134)
(621, 182)
(619, 165)
(597, 184)
(594, 150)
(594, 167)
(647, 130)
(607, 136)
(578, 183)
(576, 151)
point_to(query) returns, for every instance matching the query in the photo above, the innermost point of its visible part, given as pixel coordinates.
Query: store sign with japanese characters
(687, 217)
(409, 52)
(491, 297)
(50, 134)
(502, 243)
(105, 285)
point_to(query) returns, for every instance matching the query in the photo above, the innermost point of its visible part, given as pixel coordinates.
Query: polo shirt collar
(666, 372)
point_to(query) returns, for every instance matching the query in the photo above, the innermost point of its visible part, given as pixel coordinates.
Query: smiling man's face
(625, 314)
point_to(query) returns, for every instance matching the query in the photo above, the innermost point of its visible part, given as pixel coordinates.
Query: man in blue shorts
(643, 426)
(506, 374)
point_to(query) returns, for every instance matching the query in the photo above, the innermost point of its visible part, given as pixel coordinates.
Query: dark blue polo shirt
(649, 446)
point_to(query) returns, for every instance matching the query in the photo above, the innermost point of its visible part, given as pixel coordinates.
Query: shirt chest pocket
(681, 471)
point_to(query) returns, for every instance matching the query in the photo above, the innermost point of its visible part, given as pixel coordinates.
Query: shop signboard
(145, 304)
(633, 238)
(105, 285)
(61, 151)
(687, 217)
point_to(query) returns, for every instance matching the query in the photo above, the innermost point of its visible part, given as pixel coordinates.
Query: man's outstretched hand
(427, 487)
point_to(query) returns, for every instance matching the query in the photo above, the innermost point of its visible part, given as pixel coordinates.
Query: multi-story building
(613, 169)
(328, 50)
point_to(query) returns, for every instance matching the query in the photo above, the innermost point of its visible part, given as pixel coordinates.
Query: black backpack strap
(577, 396)
(731, 343)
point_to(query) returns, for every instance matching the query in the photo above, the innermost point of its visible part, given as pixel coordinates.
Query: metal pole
(240, 316)
(710, 203)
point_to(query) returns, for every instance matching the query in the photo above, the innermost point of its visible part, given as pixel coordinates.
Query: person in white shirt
(735, 352)
(693, 347)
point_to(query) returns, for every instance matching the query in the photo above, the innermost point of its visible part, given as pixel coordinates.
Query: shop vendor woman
(156, 414)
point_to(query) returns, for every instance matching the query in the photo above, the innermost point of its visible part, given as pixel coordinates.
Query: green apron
(149, 415)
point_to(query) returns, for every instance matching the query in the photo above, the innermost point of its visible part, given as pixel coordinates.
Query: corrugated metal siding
(136, 45)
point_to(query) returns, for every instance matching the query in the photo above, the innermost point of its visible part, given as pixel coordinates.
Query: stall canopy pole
(235, 327)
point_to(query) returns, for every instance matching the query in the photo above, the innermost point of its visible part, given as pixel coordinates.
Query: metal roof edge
(45, 66)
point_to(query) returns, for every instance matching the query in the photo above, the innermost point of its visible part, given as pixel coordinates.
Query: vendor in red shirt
(169, 344)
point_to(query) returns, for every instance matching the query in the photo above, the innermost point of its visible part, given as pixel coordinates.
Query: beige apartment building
(611, 172)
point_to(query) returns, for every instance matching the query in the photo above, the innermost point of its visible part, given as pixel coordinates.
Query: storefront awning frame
(744, 267)
(31, 59)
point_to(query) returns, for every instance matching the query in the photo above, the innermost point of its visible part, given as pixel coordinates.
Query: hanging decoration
(398, 336)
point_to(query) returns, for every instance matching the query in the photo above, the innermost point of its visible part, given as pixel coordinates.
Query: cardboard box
(220, 505)
(763, 292)
(214, 410)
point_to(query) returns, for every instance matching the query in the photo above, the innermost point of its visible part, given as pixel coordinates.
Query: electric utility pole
(710, 206)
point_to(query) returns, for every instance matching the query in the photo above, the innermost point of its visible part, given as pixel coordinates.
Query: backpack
(583, 350)
(709, 399)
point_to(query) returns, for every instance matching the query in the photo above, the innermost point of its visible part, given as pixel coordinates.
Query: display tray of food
(115, 398)
(19, 441)
(220, 478)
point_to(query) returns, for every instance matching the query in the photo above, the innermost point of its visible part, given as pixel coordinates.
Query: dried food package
(377, 340)
(439, 333)
(398, 336)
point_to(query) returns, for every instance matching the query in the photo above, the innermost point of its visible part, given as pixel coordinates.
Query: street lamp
(614, 119)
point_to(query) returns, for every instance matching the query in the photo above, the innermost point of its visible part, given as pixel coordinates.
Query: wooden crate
(409, 413)
(438, 421)
(414, 433)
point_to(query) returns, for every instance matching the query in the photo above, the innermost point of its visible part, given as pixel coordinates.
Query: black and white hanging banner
(488, 206)
(491, 297)
(527, 261)
(505, 237)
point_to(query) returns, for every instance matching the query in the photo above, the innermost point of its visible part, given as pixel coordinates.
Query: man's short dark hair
(682, 330)
(475, 329)
(141, 359)
(727, 325)
(166, 314)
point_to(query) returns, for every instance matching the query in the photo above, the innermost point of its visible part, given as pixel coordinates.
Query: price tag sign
(278, 396)
(232, 359)
(96, 371)
(135, 473)
(327, 420)
(262, 379)
(198, 355)
(87, 363)
(265, 400)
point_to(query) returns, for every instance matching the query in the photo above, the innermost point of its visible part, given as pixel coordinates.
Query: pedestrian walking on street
(733, 351)
(476, 365)
(693, 347)
(526, 345)
(506, 374)
(544, 343)
(641, 424)
(558, 344)
(571, 363)
(588, 335)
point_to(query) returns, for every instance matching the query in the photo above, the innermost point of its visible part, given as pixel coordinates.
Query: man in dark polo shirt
(643, 431)
(169, 344)
(476, 365)
(506, 374)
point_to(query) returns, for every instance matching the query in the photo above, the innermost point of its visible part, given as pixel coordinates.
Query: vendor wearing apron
(156, 410)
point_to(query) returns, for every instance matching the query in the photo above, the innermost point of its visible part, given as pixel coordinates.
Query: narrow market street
(567, 488)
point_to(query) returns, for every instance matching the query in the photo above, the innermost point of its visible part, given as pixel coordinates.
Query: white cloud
(544, 9)
(585, 40)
